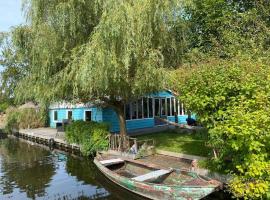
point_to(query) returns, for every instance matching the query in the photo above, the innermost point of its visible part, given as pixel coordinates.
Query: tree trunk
(119, 108)
(122, 120)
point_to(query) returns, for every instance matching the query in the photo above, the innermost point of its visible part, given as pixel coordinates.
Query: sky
(10, 14)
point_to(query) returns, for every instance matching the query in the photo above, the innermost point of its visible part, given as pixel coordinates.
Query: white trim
(178, 107)
(183, 111)
(71, 114)
(170, 107)
(67, 105)
(174, 103)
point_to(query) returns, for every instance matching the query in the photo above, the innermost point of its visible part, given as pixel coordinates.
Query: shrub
(91, 136)
(23, 118)
(232, 99)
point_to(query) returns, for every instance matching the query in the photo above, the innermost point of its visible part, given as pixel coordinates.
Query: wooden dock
(49, 137)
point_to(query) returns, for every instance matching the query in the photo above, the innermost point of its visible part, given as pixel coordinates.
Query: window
(181, 108)
(157, 107)
(127, 111)
(172, 106)
(163, 107)
(69, 114)
(55, 115)
(87, 115)
(168, 106)
(176, 106)
(134, 110)
(145, 108)
(150, 107)
(140, 107)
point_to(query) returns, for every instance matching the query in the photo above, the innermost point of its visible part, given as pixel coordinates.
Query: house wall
(77, 114)
(108, 115)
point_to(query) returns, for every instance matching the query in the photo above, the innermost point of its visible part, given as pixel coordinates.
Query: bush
(91, 136)
(4, 106)
(232, 99)
(23, 118)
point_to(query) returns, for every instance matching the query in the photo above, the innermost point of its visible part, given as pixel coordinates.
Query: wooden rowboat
(153, 182)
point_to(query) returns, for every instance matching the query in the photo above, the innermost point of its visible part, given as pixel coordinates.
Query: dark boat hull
(157, 191)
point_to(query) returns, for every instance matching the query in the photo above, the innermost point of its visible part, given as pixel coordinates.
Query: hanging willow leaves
(110, 51)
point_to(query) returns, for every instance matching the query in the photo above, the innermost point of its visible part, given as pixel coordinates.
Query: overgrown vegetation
(23, 118)
(91, 136)
(232, 99)
(113, 51)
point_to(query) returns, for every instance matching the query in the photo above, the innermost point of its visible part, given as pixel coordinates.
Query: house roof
(29, 105)
(68, 105)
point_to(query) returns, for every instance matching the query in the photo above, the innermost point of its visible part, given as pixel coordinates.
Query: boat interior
(144, 173)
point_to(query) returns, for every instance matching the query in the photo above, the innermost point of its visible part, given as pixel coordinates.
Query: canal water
(28, 171)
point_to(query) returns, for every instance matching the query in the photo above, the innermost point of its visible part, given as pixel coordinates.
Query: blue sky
(10, 14)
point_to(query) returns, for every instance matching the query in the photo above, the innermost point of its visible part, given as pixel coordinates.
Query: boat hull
(156, 191)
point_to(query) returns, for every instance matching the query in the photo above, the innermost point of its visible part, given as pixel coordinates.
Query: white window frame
(67, 114)
(84, 116)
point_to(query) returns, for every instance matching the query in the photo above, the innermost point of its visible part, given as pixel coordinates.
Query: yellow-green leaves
(232, 99)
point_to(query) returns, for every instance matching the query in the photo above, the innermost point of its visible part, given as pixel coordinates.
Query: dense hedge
(232, 99)
(91, 136)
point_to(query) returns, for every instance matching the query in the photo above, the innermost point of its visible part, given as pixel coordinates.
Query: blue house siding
(77, 114)
(111, 118)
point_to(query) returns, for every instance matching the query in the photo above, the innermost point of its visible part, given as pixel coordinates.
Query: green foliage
(3, 106)
(109, 52)
(91, 136)
(14, 59)
(227, 28)
(24, 118)
(232, 99)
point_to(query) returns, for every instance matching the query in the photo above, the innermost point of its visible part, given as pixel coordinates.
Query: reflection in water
(22, 164)
(31, 172)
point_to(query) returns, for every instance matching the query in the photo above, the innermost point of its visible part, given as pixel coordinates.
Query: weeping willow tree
(108, 52)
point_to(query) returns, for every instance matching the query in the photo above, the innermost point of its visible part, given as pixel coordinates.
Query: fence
(127, 144)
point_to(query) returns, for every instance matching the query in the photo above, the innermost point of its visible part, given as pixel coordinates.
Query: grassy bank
(193, 144)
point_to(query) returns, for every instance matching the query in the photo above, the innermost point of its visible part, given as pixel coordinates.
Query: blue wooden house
(141, 114)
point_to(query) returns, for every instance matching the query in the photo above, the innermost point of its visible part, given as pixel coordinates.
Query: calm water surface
(28, 171)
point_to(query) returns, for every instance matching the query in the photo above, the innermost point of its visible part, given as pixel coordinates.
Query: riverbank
(168, 161)
(48, 136)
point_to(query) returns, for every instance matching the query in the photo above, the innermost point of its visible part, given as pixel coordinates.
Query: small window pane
(127, 111)
(69, 114)
(157, 108)
(55, 115)
(140, 111)
(173, 108)
(145, 107)
(168, 106)
(134, 110)
(163, 105)
(150, 100)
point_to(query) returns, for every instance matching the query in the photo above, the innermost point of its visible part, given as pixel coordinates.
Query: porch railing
(128, 144)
